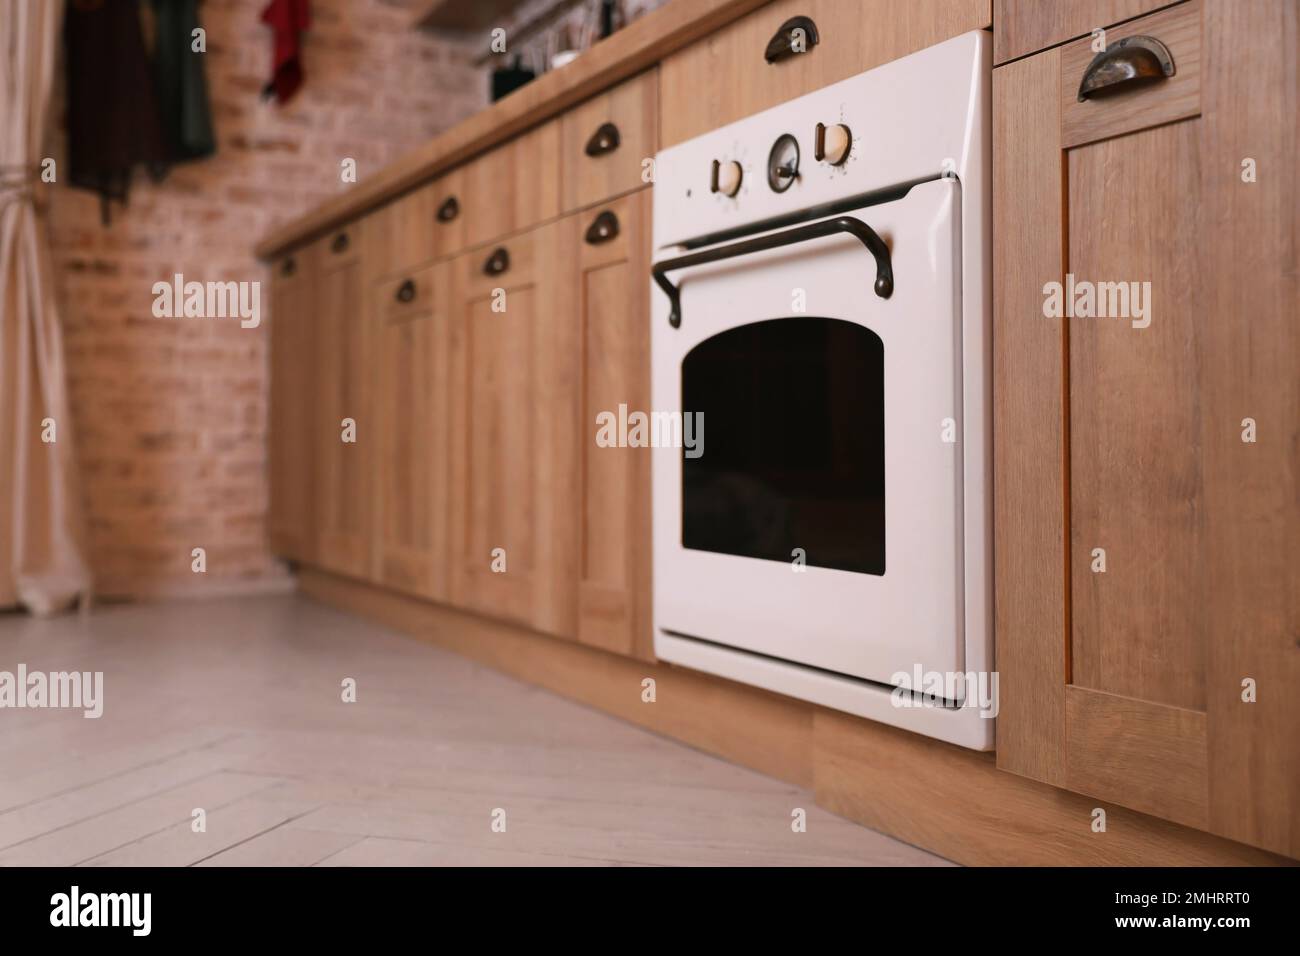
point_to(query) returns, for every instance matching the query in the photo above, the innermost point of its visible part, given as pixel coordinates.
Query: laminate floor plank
(236, 706)
(283, 846)
(613, 835)
(73, 806)
(380, 851)
(61, 773)
(83, 841)
(224, 828)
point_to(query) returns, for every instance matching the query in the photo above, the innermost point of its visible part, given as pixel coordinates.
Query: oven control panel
(903, 122)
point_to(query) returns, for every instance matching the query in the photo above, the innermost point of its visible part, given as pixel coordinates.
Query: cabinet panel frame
(291, 520)
(544, 598)
(1231, 768)
(412, 568)
(614, 617)
(342, 365)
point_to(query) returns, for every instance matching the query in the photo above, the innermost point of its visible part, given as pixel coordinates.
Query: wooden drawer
(498, 265)
(399, 235)
(512, 187)
(446, 199)
(1022, 27)
(605, 141)
(408, 296)
(341, 247)
(427, 223)
(726, 77)
(1140, 106)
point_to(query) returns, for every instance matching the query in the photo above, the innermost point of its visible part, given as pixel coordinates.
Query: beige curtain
(41, 563)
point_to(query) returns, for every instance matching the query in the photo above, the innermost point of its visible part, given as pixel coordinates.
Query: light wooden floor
(234, 706)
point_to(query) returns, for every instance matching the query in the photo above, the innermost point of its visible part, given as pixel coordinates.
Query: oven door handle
(827, 227)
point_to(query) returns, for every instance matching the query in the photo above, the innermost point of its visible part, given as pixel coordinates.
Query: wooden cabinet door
(289, 441)
(412, 429)
(725, 76)
(611, 252)
(1145, 578)
(515, 361)
(344, 434)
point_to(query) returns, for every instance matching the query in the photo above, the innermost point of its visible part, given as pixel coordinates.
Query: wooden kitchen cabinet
(291, 523)
(411, 390)
(399, 235)
(426, 223)
(512, 187)
(725, 76)
(1121, 439)
(609, 247)
(446, 199)
(605, 142)
(515, 360)
(343, 467)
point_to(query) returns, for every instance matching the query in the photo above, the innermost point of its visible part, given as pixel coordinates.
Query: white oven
(821, 304)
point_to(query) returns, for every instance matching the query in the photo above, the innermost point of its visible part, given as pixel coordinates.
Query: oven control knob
(833, 143)
(726, 177)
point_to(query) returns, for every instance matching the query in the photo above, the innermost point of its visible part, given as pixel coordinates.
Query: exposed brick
(169, 415)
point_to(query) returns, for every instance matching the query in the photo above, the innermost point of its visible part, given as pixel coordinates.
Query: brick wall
(170, 414)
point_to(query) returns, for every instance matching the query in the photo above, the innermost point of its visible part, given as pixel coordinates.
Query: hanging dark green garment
(180, 81)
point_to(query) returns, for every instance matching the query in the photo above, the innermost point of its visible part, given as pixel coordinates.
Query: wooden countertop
(627, 52)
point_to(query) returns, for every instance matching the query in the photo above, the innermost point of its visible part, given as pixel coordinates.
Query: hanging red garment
(287, 19)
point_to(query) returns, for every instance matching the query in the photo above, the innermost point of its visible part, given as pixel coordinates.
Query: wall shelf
(464, 16)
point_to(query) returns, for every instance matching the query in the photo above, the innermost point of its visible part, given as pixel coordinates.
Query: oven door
(821, 520)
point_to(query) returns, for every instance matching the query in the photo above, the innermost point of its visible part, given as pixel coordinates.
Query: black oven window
(794, 444)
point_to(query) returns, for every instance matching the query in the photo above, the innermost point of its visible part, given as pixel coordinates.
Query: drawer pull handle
(289, 267)
(406, 291)
(604, 140)
(603, 228)
(340, 243)
(1122, 65)
(449, 209)
(497, 263)
(796, 35)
